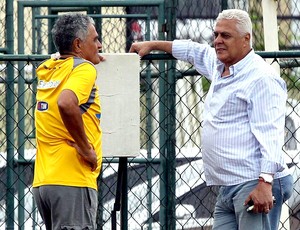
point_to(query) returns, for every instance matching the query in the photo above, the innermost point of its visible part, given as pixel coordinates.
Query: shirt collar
(233, 69)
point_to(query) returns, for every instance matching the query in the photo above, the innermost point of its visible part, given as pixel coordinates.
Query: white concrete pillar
(270, 28)
(271, 44)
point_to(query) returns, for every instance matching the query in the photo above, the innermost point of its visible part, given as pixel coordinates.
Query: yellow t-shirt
(56, 162)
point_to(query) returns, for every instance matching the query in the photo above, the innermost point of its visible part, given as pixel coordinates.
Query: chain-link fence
(163, 190)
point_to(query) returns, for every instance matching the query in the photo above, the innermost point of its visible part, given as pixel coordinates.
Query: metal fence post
(21, 124)
(162, 125)
(149, 129)
(171, 121)
(168, 131)
(9, 107)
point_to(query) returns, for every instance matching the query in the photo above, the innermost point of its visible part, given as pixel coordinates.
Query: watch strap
(267, 178)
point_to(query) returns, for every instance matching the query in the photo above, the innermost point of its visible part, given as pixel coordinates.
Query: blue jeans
(230, 212)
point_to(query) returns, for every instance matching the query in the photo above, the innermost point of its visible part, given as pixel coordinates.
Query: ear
(247, 37)
(77, 45)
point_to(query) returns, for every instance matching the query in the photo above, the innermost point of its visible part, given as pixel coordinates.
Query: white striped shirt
(244, 116)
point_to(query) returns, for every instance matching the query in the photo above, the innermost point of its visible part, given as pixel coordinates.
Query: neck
(226, 72)
(69, 54)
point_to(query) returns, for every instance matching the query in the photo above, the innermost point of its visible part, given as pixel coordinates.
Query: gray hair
(244, 24)
(67, 28)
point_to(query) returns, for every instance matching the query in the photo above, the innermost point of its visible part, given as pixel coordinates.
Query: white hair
(242, 18)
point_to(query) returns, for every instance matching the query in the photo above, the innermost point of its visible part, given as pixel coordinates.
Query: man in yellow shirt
(68, 133)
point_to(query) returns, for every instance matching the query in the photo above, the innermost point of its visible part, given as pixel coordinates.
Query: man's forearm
(165, 46)
(144, 48)
(72, 119)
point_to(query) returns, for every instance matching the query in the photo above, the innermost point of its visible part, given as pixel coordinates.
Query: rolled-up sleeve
(201, 56)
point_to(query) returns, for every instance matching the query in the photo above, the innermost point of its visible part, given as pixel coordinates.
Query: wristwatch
(267, 178)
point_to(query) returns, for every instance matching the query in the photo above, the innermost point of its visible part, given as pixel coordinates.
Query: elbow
(67, 102)
(62, 105)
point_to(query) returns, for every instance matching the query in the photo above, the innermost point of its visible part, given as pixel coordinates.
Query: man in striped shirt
(243, 127)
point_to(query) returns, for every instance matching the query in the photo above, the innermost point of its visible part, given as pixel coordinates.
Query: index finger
(247, 200)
